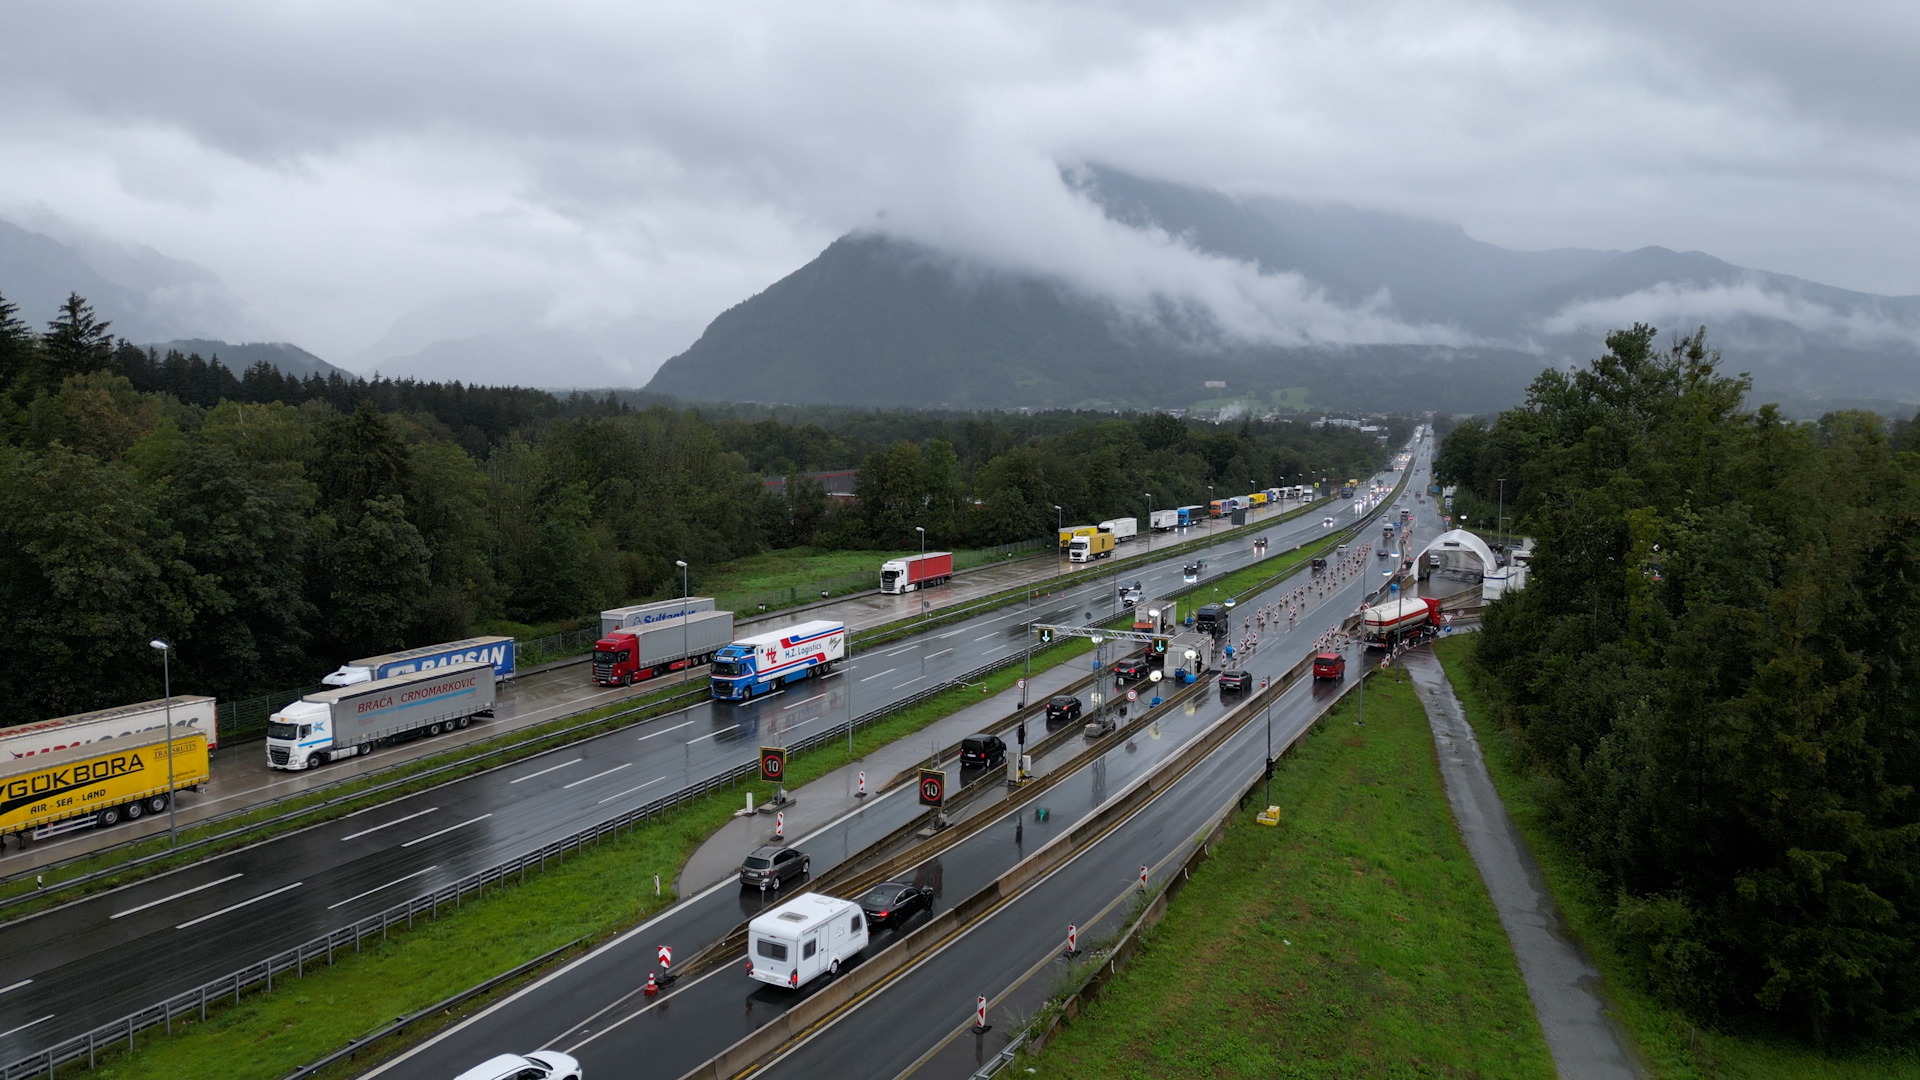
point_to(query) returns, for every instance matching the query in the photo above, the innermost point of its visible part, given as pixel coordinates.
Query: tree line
(273, 527)
(1714, 666)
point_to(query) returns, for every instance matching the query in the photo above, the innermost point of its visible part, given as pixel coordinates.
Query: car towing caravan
(808, 936)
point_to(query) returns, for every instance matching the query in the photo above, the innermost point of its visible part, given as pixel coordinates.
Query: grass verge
(1354, 940)
(1670, 1044)
(597, 894)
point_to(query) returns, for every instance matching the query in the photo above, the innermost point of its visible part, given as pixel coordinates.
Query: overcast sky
(342, 164)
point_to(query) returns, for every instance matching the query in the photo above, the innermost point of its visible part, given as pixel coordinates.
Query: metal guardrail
(261, 973)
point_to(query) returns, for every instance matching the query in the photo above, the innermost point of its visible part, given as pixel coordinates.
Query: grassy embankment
(596, 895)
(1671, 1046)
(1354, 940)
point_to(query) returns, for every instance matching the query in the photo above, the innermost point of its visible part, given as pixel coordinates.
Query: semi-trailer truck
(1067, 534)
(1093, 546)
(652, 612)
(1192, 515)
(916, 572)
(332, 724)
(1165, 520)
(1391, 621)
(497, 651)
(754, 665)
(624, 657)
(121, 722)
(97, 784)
(1123, 529)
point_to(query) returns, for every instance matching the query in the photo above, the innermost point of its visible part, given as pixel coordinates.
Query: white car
(1326, 523)
(539, 1065)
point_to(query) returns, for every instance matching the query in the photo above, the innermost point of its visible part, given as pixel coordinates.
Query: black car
(894, 902)
(1319, 564)
(1235, 680)
(768, 866)
(982, 749)
(1064, 707)
(1132, 668)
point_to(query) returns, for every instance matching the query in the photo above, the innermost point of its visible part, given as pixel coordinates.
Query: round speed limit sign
(1133, 695)
(1019, 684)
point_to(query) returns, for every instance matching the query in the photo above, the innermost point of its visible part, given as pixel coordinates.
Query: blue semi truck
(497, 651)
(754, 665)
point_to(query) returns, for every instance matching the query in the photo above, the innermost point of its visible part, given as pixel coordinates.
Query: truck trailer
(1067, 534)
(1192, 515)
(1093, 546)
(656, 611)
(754, 665)
(197, 714)
(1393, 621)
(332, 724)
(1123, 529)
(497, 651)
(916, 572)
(624, 657)
(1165, 520)
(99, 784)
(806, 937)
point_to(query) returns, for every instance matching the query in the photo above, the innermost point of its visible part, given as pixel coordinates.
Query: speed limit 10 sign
(773, 763)
(933, 787)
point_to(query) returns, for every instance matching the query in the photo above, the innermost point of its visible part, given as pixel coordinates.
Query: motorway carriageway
(594, 1008)
(77, 966)
(241, 777)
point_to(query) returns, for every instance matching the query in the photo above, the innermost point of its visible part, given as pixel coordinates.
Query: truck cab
(1093, 546)
(616, 659)
(299, 736)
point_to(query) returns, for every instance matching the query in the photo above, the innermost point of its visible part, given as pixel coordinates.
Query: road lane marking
(708, 735)
(15, 986)
(901, 649)
(910, 682)
(877, 674)
(155, 903)
(445, 831)
(942, 652)
(988, 634)
(630, 791)
(597, 775)
(238, 906)
(546, 770)
(663, 731)
(395, 821)
(28, 1024)
(388, 885)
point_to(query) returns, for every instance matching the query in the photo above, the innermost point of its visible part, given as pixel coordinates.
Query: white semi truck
(334, 724)
(1123, 529)
(195, 714)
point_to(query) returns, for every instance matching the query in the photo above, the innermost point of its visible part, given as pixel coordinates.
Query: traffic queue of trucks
(916, 572)
(755, 665)
(196, 714)
(100, 783)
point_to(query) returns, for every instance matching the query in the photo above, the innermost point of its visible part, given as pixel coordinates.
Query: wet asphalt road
(594, 1008)
(1561, 979)
(74, 967)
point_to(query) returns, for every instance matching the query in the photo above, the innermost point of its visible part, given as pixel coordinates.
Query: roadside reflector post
(780, 825)
(980, 1025)
(1073, 940)
(656, 884)
(1143, 879)
(861, 792)
(665, 953)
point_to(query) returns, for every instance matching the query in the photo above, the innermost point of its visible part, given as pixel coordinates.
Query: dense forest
(273, 527)
(1716, 665)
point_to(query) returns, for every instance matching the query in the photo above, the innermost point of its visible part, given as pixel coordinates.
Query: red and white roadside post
(1073, 940)
(861, 793)
(980, 1025)
(665, 953)
(780, 825)
(1143, 879)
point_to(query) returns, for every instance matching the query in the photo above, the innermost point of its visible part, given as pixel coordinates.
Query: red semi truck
(917, 572)
(626, 656)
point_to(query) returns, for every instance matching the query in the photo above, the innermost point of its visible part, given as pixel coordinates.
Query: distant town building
(839, 483)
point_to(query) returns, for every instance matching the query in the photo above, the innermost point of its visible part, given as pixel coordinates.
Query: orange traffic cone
(652, 987)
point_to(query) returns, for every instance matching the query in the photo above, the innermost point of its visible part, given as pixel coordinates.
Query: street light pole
(1149, 521)
(686, 662)
(166, 675)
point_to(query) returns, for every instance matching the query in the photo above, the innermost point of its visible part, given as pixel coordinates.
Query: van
(806, 937)
(982, 749)
(1210, 618)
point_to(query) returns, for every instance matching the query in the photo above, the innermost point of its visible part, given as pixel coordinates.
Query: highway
(85, 963)
(241, 778)
(593, 1007)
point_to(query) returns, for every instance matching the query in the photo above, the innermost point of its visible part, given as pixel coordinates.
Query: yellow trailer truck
(100, 784)
(1067, 534)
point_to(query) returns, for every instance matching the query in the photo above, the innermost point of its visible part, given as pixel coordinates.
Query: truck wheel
(108, 816)
(157, 804)
(463, 721)
(136, 810)
(432, 730)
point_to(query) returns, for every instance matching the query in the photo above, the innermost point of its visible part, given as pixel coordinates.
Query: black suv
(1132, 668)
(768, 866)
(1063, 707)
(982, 749)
